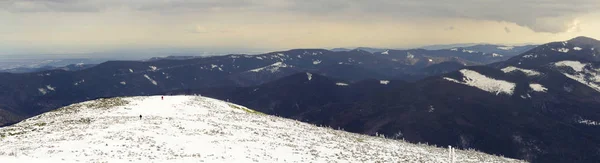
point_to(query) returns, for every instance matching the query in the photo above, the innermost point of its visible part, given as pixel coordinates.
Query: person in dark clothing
(140, 117)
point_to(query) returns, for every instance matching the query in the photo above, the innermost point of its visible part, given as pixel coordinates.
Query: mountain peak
(585, 41)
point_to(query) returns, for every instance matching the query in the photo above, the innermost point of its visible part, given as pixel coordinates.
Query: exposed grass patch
(245, 109)
(360, 140)
(16, 133)
(104, 103)
(41, 124)
(85, 120)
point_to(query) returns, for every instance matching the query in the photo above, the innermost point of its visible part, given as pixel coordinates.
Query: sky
(88, 26)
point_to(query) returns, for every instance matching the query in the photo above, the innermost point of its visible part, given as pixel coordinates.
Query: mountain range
(540, 105)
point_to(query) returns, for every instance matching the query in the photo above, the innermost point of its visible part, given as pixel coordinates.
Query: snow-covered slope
(196, 129)
(527, 72)
(271, 68)
(477, 80)
(584, 73)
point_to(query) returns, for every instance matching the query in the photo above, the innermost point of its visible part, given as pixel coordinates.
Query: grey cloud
(552, 16)
(449, 28)
(507, 30)
(52, 6)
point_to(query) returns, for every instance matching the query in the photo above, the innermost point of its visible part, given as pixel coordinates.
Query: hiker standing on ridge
(162, 97)
(140, 117)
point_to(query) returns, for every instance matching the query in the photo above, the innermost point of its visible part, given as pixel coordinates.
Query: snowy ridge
(477, 80)
(197, 129)
(527, 72)
(583, 73)
(271, 68)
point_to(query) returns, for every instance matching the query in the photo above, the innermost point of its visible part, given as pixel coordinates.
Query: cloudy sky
(82, 26)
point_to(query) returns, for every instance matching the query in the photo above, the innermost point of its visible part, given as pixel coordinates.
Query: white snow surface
(316, 62)
(505, 47)
(43, 91)
(477, 80)
(527, 72)
(576, 65)
(497, 55)
(271, 68)
(153, 68)
(49, 87)
(387, 52)
(409, 55)
(150, 79)
(309, 75)
(588, 122)
(384, 82)
(577, 48)
(564, 50)
(341, 84)
(197, 129)
(583, 74)
(538, 87)
(79, 82)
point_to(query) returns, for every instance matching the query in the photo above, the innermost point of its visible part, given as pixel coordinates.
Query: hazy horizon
(77, 27)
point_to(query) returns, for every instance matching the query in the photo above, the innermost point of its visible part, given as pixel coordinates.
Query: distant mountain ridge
(540, 109)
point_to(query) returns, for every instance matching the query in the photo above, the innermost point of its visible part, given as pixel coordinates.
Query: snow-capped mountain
(577, 49)
(197, 129)
(540, 110)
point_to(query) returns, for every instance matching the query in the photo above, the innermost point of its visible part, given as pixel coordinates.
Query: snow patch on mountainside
(588, 122)
(530, 56)
(582, 74)
(387, 52)
(497, 55)
(79, 82)
(150, 79)
(577, 48)
(49, 87)
(309, 76)
(197, 129)
(271, 68)
(477, 80)
(341, 84)
(384, 82)
(316, 62)
(538, 87)
(564, 50)
(505, 47)
(576, 65)
(468, 51)
(153, 68)
(409, 55)
(527, 72)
